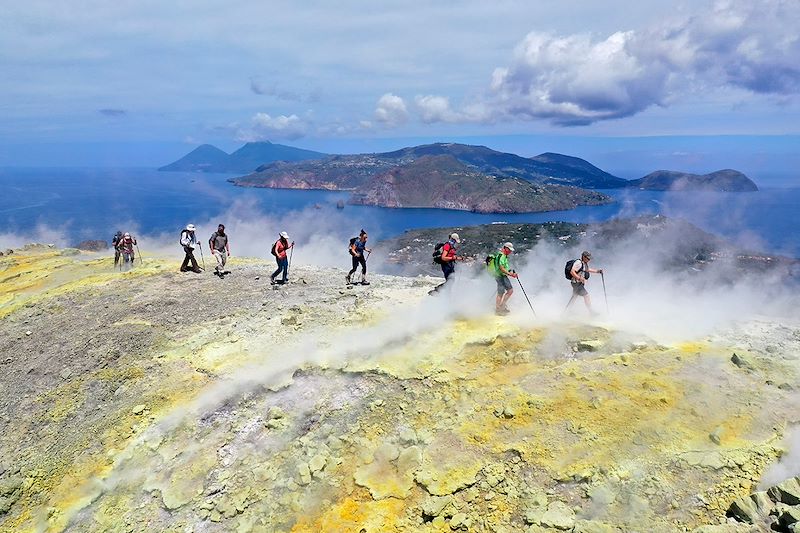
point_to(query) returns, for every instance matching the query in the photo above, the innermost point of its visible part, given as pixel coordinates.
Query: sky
(144, 81)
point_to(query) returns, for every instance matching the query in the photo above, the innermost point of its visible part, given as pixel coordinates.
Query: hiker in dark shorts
(579, 274)
(220, 248)
(115, 243)
(279, 251)
(357, 249)
(448, 260)
(502, 272)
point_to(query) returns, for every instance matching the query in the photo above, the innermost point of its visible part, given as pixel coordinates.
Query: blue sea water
(92, 203)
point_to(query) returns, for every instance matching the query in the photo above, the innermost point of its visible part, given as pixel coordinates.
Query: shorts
(578, 289)
(503, 285)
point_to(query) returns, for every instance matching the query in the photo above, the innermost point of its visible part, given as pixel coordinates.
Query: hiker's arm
(228, 248)
(575, 273)
(506, 272)
(595, 270)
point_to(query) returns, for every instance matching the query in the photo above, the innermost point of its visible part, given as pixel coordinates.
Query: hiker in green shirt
(502, 271)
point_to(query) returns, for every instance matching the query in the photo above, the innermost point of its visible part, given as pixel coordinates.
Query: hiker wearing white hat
(189, 242)
(279, 251)
(499, 266)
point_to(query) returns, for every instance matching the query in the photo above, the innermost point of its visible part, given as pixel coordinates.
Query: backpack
(272, 251)
(438, 250)
(180, 239)
(350, 248)
(491, 262)
(117, 237)
(568, 269)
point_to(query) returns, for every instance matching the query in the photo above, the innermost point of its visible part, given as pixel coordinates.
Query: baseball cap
(455, 237)
(509, 246)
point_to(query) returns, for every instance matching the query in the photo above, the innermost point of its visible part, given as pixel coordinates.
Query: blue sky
(160, 77)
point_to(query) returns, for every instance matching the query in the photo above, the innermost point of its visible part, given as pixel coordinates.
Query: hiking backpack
(568, 269)
(272, 251)
(438, 250)
(491, 262)
(352, 243)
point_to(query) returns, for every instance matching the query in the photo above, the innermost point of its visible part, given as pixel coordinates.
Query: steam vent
(152, 400)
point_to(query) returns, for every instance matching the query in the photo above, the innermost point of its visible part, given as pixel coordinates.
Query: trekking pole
(526, 296)
(202, 258)
(603, 278)
(141, 261)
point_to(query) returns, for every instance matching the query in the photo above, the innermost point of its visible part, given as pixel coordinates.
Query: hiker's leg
(285, 268)
(355, 266)
(187, 256)
(278, 271)
(506, 296)
(193, 260)
(571, 299)
(447, 270)
(219, 256)
(501, 290)
(588, 301)
(363, 263)
(116, 257)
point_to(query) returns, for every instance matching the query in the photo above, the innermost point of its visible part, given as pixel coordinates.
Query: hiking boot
(501, 311)
(197, 271)
(182, 270)
(364, 282)
(347, 279)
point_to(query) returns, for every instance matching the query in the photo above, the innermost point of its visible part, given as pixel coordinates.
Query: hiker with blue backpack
(357, 248)
(577, 271)
(444, 254)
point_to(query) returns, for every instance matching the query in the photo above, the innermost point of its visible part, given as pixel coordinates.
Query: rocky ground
(153, 400)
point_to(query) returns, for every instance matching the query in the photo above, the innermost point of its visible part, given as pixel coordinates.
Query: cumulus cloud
(264, 127)
(391, 110)
(580, 79)
(433, 108)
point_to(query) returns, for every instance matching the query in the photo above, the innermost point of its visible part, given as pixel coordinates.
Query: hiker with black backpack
(444, 254)
(189, 242)
(115, 243)
(358, 245)
(279, 251)
(498, 266)
(220, 249)
(577, 271)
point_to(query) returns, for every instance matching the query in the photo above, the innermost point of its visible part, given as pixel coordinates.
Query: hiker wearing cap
(279, 251)
(578, 273)
(115, 243)
(125, 247)
(220, 248)
(189, 242)
(357, 249)
(502, 271)
(448, 259)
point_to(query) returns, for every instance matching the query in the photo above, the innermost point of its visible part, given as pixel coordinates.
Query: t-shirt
(501, 260)
(359, 246)
(448, 249)
(578, 268)
(219, 241)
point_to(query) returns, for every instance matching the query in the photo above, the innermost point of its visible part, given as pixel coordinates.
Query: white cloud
(434, 109)
(264, 127)
(578, 79)
(391, 110)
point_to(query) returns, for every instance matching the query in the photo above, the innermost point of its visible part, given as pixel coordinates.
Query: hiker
(499, 266)
(279, 251)
(125, 247)
(220, 248)
(358, 245)
(189, 243)
(577, 272)
(115, 243)
(446, 257)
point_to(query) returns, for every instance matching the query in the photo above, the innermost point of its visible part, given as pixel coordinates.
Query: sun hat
(190, 227)
(284, 235)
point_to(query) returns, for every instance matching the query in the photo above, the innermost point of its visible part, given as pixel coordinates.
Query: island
(727, 180)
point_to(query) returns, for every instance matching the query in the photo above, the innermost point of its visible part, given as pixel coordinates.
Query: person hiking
(125, 247)
(279, 251)
(189, 243)
(220, 248)
(448, 260)
(358, 246)
(502, 271)
(115, 243)
(578, 273)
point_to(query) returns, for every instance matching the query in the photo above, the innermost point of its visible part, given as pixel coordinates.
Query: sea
(83, 203)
